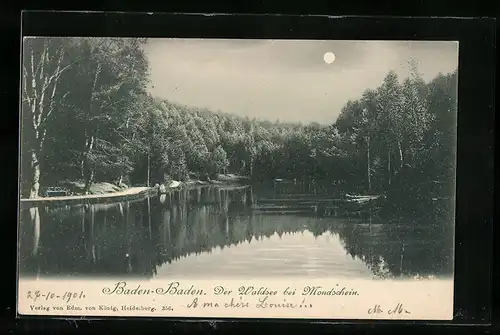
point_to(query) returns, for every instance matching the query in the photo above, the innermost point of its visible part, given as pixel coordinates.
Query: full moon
(329, 57)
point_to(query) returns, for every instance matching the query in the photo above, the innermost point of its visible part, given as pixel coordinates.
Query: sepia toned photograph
(176, 160)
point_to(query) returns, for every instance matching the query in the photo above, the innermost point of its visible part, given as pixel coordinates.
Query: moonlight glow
(329, 57)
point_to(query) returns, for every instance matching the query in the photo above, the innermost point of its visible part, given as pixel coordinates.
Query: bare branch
(25, 85)
(94, 84)
(114, 103)
(45, 76)
(39, 67)
(54, 88)
(41, 103)
(33, 79)
(65, 95)
(33, 90)
(43, 58)
(42, 138)
(55, 76)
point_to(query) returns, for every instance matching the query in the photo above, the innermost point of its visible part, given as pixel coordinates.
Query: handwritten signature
(397, 310)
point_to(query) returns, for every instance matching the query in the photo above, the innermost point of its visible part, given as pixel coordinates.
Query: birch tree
(44, 63)
(416, 118)
(391, 115)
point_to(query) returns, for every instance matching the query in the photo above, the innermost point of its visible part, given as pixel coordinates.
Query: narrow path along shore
(128, 192)
(109, 195)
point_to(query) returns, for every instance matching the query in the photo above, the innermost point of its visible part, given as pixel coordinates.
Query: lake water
(230, 232)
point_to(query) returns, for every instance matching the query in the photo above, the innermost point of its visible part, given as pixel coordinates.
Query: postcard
(237, 178)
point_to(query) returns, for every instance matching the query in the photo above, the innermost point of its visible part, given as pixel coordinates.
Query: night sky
(284, 79)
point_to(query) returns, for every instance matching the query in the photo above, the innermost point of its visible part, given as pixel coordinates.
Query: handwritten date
(47, 296)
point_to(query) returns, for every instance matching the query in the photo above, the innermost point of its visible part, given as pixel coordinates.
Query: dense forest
(87, 116)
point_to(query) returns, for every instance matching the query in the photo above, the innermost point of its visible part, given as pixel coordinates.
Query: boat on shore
(163, 188)
(360, 199)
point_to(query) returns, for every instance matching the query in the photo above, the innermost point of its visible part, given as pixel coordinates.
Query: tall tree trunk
(82, 166)
(83, 158)
(243, 169)
(148, 170)
(89, 180)
(401, 157)
(35, 166)
(90, 141)
(389, 172)
(89, 169)
(411, 155)
(149, 218)
(121, 176)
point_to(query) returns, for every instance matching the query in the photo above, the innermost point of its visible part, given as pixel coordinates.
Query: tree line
(87, 116)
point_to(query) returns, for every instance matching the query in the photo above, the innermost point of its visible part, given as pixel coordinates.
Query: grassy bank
(78, 187)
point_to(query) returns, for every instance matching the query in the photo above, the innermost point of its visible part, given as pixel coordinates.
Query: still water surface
(224, 232)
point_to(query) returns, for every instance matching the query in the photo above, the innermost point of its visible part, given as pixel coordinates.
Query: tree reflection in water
(136, 238)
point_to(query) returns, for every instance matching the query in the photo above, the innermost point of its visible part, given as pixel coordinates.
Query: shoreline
(133, 193)
(130, 192)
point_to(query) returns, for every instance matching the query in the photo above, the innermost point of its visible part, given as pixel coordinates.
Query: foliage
(87, 116)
